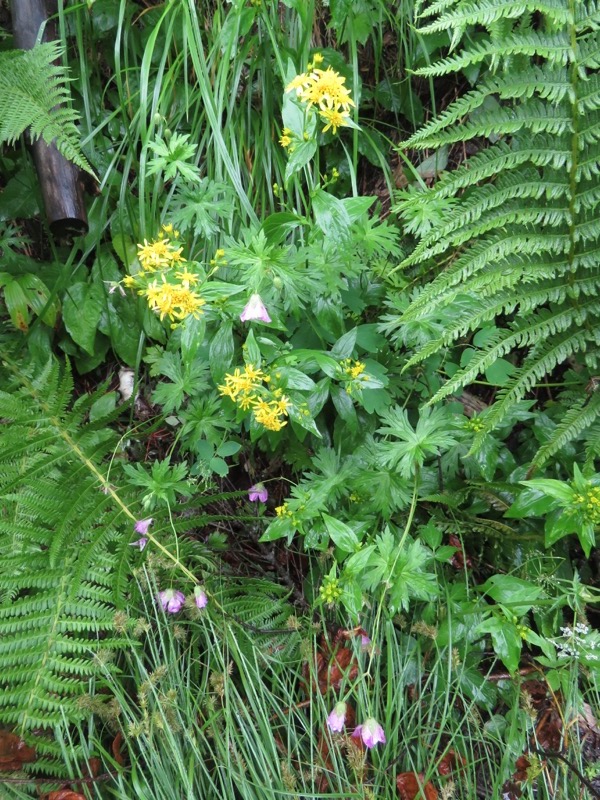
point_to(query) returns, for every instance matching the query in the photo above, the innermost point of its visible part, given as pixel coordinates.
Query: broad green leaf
(342, 535)
(221, 350)
(506, 640)
(82, 307)
(252, 354)
(345, 345)
(514, 593)
(530, 503)
(557, 489)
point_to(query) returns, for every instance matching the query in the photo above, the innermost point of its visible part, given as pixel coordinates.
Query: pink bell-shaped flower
(258, 492)
(370, 732)
(337, 718)
(171, 600)
(255, 310)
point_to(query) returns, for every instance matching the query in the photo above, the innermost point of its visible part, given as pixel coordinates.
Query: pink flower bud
(141, 543)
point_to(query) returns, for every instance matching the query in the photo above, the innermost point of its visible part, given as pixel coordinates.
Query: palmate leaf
(34, 94)
(520, 235)
(406, 448)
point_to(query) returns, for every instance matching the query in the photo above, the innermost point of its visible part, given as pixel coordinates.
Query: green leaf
(300, 157)
(82, 308)
(295, 379)
(431, 535)
(514, 593)
(530, 503)
(276, 227)
(477, 687)
(221, 350)
(16, 304)
(331, 216)
(305, 421)
(280, 528)
(506, 639)
(557, 489)
(352, 598)
(219, 466)
(252, 354)
(344, 406)
(344, 347)
(103, 406)
(342, 535)
(357, 562)
(228, 449)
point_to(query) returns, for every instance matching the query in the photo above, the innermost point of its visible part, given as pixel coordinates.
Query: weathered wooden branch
(59, 178)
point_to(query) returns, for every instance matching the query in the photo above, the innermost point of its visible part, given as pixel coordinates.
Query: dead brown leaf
(116, 749)
(14, 752)
(412, 786)
(450, 761)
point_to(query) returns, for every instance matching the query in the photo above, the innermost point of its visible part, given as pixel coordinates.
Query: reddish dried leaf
(94, 765)
(522, 766)
(14, 752)
(413, 787)
(459, 559)
(65, 794)
(450, 761)
(510, 791)
(333, 666)
(548, 732)
(116, 749)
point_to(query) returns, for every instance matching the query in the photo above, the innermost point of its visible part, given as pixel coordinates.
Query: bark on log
(59, 178)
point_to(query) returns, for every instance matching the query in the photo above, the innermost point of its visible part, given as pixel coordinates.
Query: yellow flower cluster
(324, 89)
(354, 373)
(588, 504)
(330, 590)
(285, 511)
(246, 389)
(164, 279)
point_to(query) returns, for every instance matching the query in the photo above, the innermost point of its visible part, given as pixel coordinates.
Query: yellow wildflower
(154, 255)
(335, 119)
(286, 139)
(187, 278)
(299, 83)
(352, 369)
(326, 89)
(129, 281)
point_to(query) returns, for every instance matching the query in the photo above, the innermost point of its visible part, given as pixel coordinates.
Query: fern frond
(520, 236)
(555, 48)
(34, 94)
(577, 419)
(487, 12)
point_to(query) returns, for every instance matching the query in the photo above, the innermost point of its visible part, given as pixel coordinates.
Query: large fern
(34, 94)
(64, 554)
(516, 227)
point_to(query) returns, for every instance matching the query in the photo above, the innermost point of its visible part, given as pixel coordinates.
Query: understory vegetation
(300, 425)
